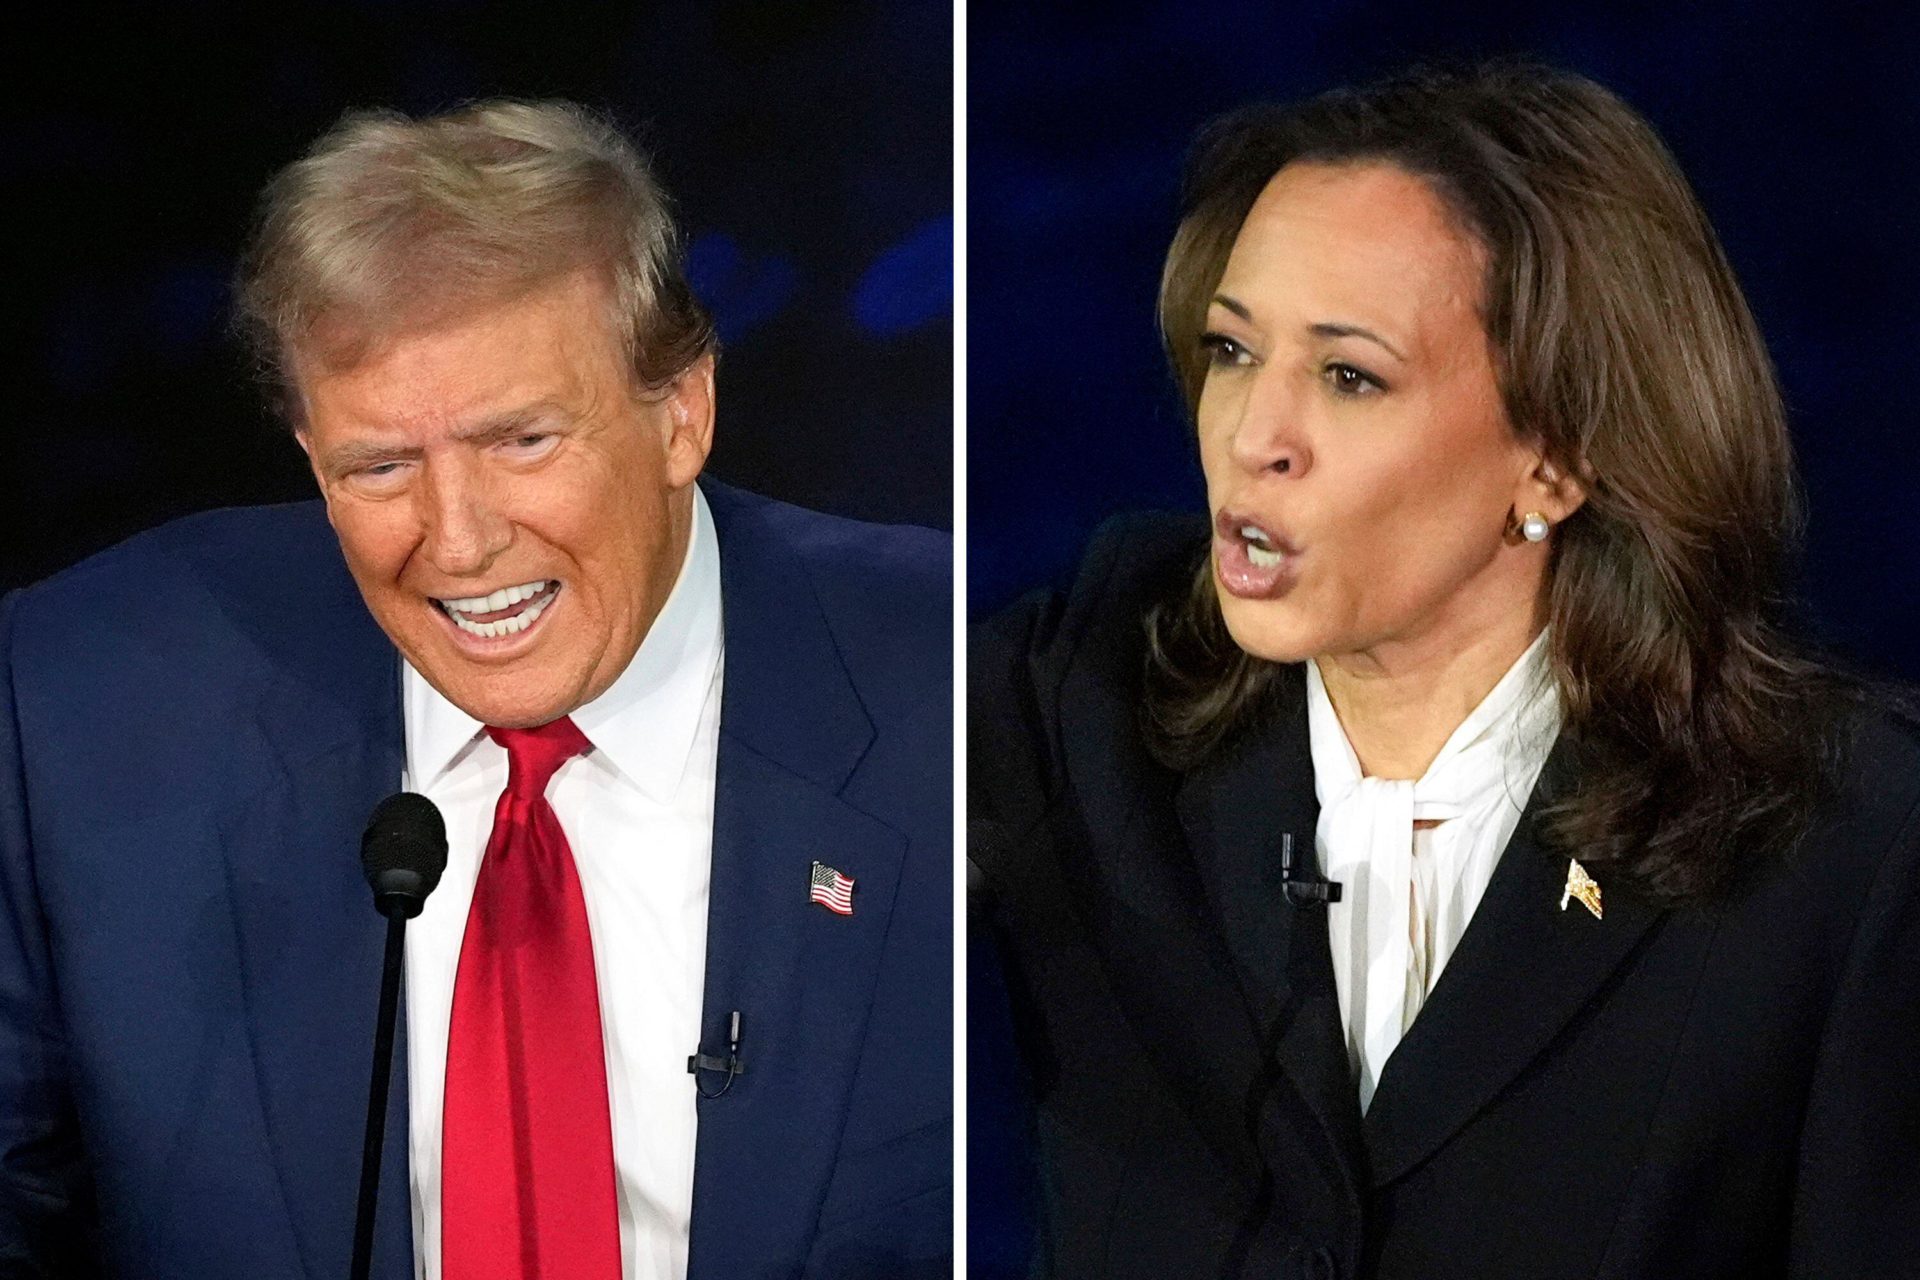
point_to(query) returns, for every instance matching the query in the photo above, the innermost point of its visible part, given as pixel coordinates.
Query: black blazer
(1721, 1091)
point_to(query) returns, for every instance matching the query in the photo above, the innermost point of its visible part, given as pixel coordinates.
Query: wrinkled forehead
(352, 328)
(441, 361)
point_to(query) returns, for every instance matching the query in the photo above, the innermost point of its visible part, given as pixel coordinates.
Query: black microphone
(1303, 888)
(731, 1064)
(403, 853)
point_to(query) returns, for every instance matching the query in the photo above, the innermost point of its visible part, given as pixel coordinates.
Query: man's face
(514, 512)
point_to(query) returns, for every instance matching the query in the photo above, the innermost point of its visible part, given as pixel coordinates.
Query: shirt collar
(644, 724)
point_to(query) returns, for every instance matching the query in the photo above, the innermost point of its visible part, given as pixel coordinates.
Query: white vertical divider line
(959, 637)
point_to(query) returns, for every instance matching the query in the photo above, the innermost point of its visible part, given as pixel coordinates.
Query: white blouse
(1407, 892)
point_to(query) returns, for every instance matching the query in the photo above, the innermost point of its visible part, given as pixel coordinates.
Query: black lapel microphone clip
(731, 1064)
(1303, 887)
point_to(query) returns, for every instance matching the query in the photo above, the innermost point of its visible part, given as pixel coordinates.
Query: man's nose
(463, 526)
(1269, 431)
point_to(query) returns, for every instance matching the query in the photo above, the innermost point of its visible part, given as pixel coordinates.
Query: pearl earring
(1534, 527)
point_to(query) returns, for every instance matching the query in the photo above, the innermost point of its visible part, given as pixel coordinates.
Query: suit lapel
(308, 942)
(1234, 809)
(802, 978)
(1523, 969)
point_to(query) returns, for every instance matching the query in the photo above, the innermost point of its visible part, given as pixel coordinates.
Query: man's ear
(305, 441)
(689, 408)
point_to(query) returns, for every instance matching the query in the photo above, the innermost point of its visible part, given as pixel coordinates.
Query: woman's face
(1360, 467)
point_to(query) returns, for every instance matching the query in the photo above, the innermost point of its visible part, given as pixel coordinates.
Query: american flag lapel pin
(831, 890)
(1582, 887)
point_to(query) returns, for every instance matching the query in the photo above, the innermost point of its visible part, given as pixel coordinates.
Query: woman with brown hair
(1447, 864)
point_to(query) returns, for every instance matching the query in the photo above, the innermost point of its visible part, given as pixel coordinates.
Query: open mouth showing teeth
(1260, 548)
(1252, 560)
(505, 612)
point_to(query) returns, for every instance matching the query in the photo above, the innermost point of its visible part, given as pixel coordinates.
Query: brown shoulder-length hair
(1702, 733)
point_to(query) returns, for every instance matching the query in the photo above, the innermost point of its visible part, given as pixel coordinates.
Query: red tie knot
(533, 755)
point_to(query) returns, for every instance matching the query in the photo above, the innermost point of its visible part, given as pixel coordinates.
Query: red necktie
(526, 1174)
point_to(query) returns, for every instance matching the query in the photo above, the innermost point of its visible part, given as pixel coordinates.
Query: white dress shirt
(1410, 891)
(638, 813)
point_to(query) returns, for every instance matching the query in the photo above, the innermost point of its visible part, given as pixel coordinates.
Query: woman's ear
(1551, 490)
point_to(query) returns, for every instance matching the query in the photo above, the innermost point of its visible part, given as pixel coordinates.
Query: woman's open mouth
(1250, 559)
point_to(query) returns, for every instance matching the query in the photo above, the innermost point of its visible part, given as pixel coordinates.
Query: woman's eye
(1350, 381)
(1222, 350)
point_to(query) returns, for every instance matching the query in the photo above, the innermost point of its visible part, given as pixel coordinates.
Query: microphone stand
(403, 854)
(377, 1097)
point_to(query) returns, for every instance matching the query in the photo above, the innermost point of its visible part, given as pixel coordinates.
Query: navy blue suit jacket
(195, 727)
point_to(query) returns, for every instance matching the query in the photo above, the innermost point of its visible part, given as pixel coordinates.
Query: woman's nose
(1268, 434)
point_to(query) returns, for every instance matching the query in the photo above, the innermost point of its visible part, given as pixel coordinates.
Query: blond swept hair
(389, 224)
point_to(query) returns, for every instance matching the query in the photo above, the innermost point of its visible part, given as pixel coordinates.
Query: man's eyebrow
(362, 453)
(505, 426)
(355, 454)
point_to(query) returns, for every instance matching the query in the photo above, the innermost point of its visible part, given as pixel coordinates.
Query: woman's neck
(1400, 702)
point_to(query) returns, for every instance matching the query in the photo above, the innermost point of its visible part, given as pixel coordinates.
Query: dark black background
(1797, 123)
(808, 146)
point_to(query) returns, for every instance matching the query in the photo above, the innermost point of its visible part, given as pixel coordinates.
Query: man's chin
(513, 713)
(504, 699)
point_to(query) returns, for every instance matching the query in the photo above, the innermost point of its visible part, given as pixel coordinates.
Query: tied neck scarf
(1411, 892)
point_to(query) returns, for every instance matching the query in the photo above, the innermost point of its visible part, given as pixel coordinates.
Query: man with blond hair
(691, 747)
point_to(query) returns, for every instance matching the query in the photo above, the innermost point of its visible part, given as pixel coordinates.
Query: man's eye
(532, 443)
(1224, 351)
(376, 473)
(1347, 380)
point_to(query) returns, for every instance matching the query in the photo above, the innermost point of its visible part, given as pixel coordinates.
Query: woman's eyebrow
(1238, 308)
(1329, 329)
(1324, 329)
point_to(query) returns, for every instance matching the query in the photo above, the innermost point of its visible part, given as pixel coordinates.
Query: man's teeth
(498, 600)
(506, 626)
(501, 599)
